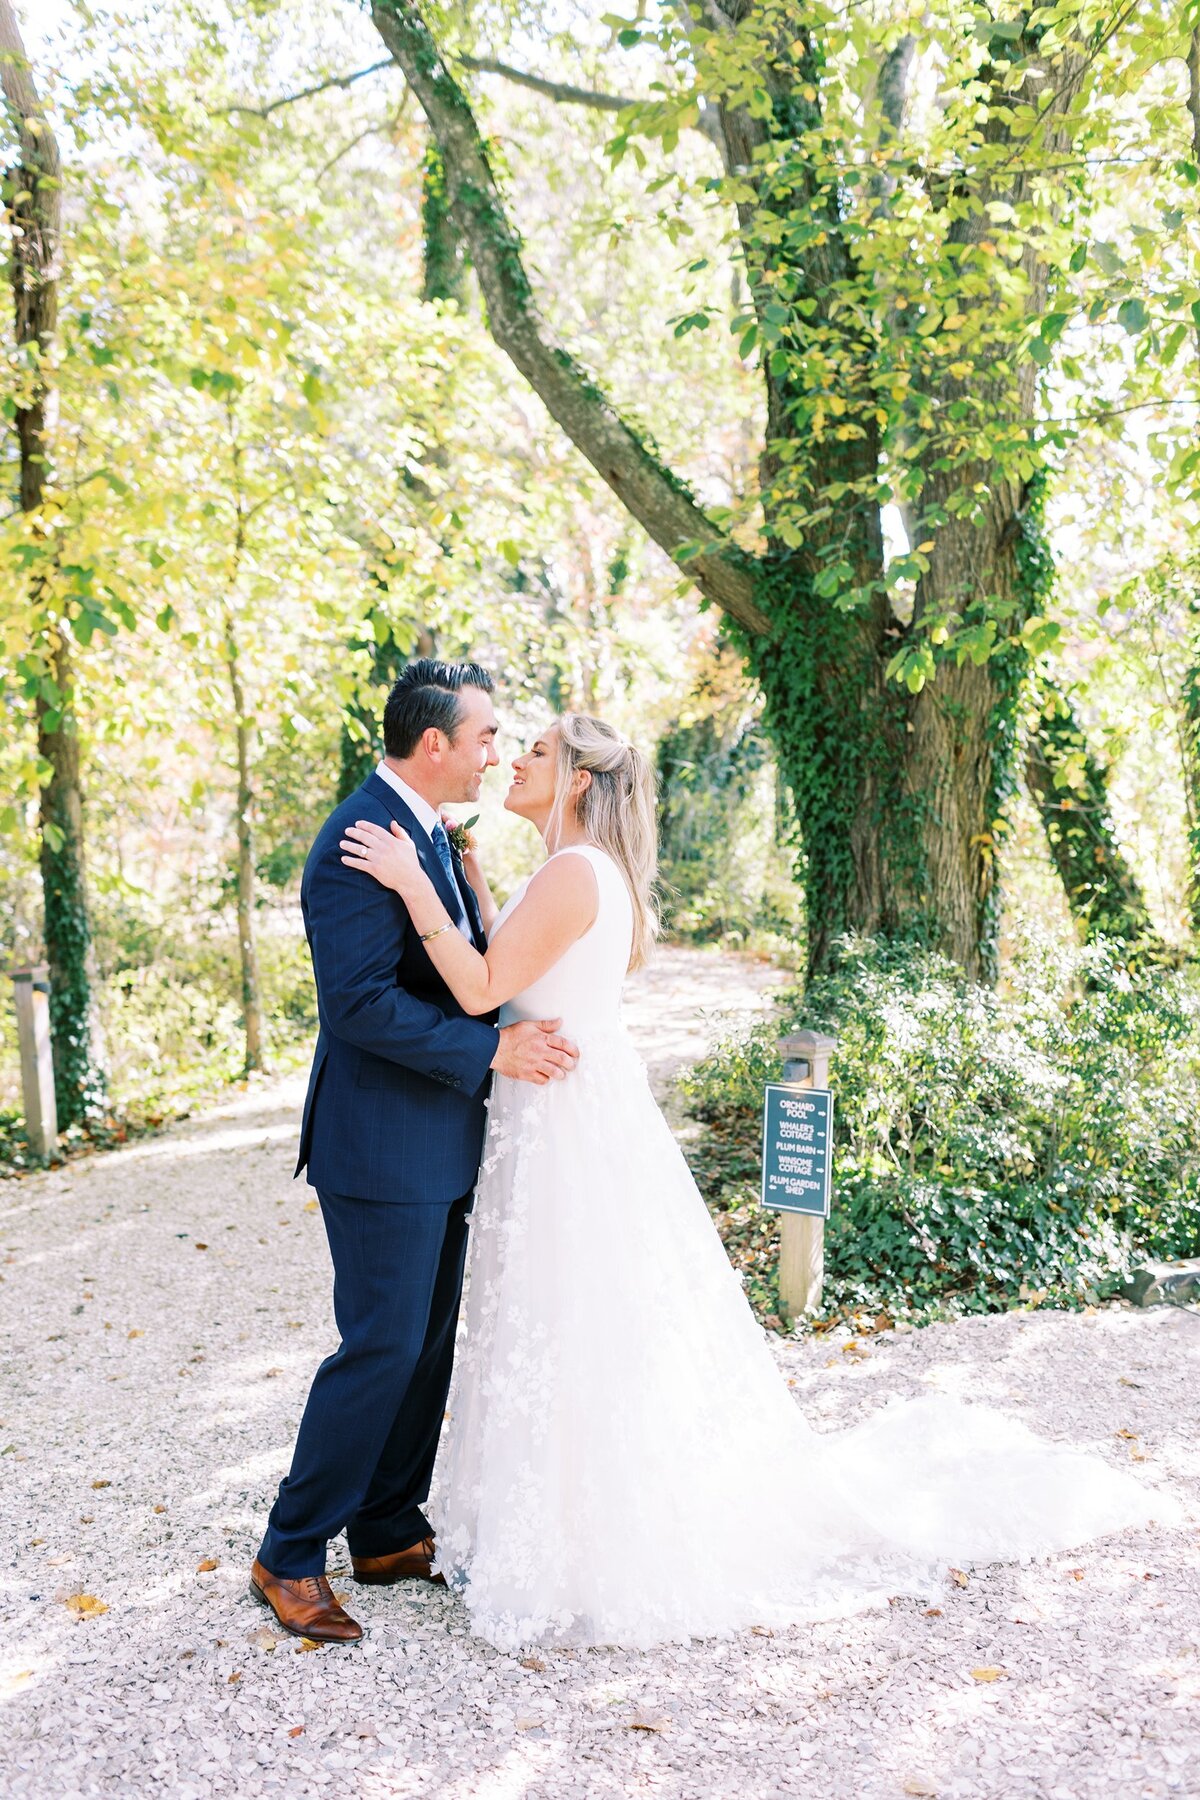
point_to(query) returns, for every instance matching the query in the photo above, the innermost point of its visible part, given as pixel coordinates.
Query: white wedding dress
(623, 1463)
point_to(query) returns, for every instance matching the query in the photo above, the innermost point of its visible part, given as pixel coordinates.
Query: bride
(622, 1462)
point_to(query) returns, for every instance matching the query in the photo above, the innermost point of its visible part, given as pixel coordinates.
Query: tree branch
(320, 87)
(565, 93)
(655, 497)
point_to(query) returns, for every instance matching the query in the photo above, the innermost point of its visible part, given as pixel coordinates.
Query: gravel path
(162, 1310)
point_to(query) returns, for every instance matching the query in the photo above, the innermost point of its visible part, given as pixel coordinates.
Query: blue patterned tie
(441, 844)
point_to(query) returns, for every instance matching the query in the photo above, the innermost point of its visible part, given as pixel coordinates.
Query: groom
(392, 1136)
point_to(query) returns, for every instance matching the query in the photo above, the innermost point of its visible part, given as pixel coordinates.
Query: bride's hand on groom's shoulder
(387, 855)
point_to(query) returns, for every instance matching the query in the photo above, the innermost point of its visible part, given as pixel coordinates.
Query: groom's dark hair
(425, 697)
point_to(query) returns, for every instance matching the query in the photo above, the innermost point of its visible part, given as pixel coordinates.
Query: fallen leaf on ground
(135, 1333)
(310, 1206)
(1076, 1574)
(207, 1566)
(529, 1724)
(919, 1784)
(101, 1484)
(761, 1631)
(958, 1578)
(533, 1662)
(271, 1373)
(236, 1676)
(34, 1542)
(307, 1644)
(85, 1606)
(990, 1672)
(263, 1639)
(1124, 1381)
(643, 1720)
(296, 1731)
(202, 1246)
(932, 1612)
(1124, 1433)
(160, 1509)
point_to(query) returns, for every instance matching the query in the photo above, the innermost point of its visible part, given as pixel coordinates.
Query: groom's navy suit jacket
(396, 1097)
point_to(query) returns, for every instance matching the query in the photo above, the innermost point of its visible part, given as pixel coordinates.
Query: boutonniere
(460, 835)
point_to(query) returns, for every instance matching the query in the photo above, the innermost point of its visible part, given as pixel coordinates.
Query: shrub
(989, 1147)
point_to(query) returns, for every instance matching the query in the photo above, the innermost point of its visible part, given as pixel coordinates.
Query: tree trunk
(443, 278)
(34, 211)
(443, 264)
(1189, 744)
(252, 1003)
(1070, 787)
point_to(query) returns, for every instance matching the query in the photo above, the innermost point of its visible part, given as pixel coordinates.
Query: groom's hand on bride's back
(533, 1051)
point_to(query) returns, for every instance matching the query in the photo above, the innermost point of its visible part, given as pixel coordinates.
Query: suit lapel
(427, 856)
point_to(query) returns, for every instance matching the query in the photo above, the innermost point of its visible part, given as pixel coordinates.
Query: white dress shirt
(427, 817)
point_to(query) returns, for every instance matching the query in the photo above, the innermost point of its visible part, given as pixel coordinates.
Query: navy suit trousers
(365, 1451)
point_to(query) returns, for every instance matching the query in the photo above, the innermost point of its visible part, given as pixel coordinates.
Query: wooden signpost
(31, 994)
(797, 1177)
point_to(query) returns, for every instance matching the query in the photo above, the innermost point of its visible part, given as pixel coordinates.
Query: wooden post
(802, 1238)
(31, 994)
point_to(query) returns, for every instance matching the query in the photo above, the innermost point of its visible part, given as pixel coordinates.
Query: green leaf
(1133, 316)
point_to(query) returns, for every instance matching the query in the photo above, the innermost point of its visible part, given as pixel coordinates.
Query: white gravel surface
(162, 1311)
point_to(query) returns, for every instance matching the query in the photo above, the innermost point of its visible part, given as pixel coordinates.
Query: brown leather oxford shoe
(305, 1606)
(415, 1563)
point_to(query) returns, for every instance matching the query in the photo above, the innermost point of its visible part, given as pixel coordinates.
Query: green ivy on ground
(990, 1149)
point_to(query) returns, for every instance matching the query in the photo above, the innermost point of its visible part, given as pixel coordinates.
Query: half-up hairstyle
(616, 810)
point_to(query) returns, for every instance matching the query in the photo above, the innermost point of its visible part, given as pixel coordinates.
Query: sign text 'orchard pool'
(797, 1149)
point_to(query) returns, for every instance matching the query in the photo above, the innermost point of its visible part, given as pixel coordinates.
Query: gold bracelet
(426, 935)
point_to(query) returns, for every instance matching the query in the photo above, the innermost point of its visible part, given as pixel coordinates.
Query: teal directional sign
(797, 1149)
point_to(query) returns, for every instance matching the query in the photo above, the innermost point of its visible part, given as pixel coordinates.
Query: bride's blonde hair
(616, 809)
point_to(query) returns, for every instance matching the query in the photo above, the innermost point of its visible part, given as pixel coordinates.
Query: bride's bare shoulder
(565, 884)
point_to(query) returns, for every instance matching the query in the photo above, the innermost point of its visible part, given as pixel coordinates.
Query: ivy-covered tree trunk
(243, 730)
(1070, 787)
(443, 278)
(33, 203)
(1189, 736)
(443, 261)
(251, 982)
(897, 737)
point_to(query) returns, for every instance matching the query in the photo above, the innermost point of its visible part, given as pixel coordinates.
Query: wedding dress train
(622, 1462)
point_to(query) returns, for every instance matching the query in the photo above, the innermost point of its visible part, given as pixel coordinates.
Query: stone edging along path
(161, 1312)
